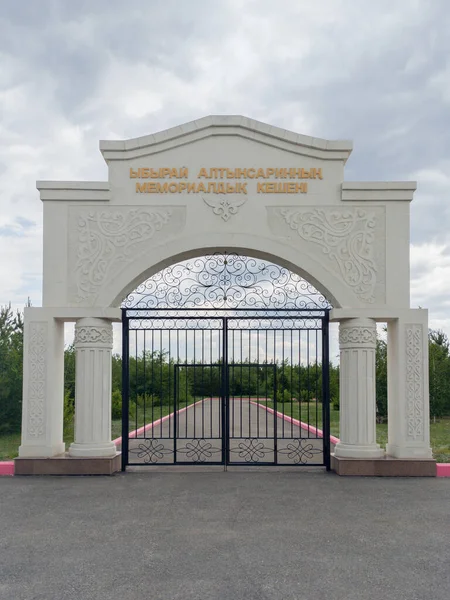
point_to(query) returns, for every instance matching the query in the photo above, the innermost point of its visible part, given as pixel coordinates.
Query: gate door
(172, 389)
(234, 390)
(199, 419)
(278, 388)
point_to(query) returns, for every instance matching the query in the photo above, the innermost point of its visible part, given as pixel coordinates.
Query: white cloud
(375, 72)
(430, 282)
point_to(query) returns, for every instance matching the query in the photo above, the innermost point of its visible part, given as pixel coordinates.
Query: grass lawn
(439, 431)
(310, 413)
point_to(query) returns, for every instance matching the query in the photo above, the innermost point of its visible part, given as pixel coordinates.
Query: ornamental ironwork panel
(226, 281)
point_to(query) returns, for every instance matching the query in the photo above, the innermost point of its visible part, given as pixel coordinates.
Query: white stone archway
(226, 183)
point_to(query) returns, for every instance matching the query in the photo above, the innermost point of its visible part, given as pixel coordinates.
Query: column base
(67, 465)
(354, 451)
(409, 451)
(106, 449)
(383, 467)
(35, 451)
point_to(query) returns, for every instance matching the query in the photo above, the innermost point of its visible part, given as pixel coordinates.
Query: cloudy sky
(76, 71)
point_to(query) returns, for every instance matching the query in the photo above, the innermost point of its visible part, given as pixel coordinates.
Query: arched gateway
(268, 210)
(233, 349)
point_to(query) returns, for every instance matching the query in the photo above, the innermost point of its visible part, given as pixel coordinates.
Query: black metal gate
(229, 367)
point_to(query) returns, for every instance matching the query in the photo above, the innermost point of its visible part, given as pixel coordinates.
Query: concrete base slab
(384, 467)
(68, 465)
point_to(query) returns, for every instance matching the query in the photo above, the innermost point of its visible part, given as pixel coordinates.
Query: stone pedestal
(93, 346)
(357, 341)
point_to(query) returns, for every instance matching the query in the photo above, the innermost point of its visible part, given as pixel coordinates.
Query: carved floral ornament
(414, 383)
(347, 237)
(88, 335)
(224, 206)
(357, 335)
(109, 237)
(37, 354)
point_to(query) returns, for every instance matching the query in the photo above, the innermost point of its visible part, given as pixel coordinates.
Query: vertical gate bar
(187, 376)
(211, 382)
(267, 383)
(220, 366)
(292, 373)
(275, 422)
(136, 378)
(225, 396)
(283, 377)
(203, 383)
(241, 384)
(152, 354)
(249, 382)
(175, 431)
(161, 382)
(195, 388)
(231, 393)
(176, 372)
(145, 381)
(317, 382)
(125, 387)
(300, 379)
(233, 379)
(186, 393)
(275, 394)
(308, 378)
(169, 364)
(326, 389)
(257, 378)
(153, 379)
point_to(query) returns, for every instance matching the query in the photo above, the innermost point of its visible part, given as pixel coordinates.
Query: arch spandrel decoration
(226, 282)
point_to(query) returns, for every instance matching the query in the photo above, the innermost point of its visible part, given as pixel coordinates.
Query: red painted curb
(144, 428)
(7, 467)
(442, 469)
(310, 428)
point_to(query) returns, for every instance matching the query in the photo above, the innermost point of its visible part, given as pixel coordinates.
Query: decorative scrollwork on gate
(300, 451)
(226, 281)
(252, 450)
(199, 450)
(150, 450)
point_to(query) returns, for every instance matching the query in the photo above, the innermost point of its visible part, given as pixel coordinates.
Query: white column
(43, 385)
(93, 345)
(408, 387)
(357, 341)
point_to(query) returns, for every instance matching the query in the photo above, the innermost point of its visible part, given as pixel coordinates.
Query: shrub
(334, 401)
(284, 396)
(116, 405)
(69, 408)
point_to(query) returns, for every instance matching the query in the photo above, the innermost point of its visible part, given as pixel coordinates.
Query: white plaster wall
(103, 239)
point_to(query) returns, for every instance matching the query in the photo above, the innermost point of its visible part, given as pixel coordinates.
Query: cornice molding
(235, 125)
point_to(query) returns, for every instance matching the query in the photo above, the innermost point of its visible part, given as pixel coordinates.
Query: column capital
(358, 333)
(92, 332)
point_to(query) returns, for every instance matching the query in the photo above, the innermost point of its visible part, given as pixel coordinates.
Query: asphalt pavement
(245, 534)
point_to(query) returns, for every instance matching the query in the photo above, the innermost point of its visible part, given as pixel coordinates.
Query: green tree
(381, 379)
(11, 351)
(439, 354)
